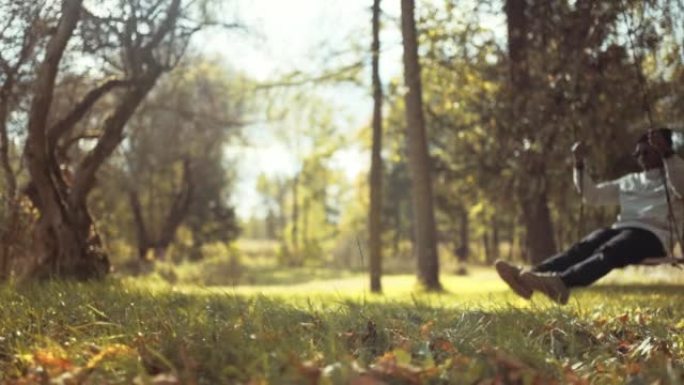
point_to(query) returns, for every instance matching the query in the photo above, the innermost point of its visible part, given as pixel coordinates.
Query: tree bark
(64, 228)
(539, 240)
(8, 231)
(532, 191)
(511, 240)
(29, 37)
(486, 246)
(174, 218)
(517, 44)
(495, 239)
(419, 161)
(463, 251)
(68, 240)
(178, 211)
(141, 233)
(375, 217)
(9, 176)
(295, 220)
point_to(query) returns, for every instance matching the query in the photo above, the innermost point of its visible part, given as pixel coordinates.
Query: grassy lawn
(331, 331)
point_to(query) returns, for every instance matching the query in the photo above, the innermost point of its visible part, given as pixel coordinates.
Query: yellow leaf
(111, 350)
(50, 360)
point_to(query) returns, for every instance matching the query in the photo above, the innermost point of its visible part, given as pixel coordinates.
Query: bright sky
(297, 34)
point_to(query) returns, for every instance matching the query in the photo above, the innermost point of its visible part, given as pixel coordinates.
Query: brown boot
(549, 284)
(510, 274)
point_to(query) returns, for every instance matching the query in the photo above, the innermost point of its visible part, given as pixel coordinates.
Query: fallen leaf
(366, 379)
(51, 361)
(623, 318)
(310, 371)
(426, 328)
(633, 368)
(159, 379)
(389, 365)
(624, 347)
(108, 351)
(443, 344)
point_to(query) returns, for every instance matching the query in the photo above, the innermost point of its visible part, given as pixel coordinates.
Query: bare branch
(153, 10)
(190, 115)
(11, 19)
(167, 25)
(345, 73)
(5, 66)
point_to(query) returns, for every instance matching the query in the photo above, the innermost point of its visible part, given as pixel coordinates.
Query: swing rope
(580, 173)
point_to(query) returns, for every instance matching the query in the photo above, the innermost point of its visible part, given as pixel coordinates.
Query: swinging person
(641, 231)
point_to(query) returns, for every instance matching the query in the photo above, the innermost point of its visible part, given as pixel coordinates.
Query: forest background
(153, 151)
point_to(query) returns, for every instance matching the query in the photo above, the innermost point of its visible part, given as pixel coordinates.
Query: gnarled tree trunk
(67, 240)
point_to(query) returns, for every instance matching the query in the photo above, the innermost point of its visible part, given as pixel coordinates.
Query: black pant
(600, 252)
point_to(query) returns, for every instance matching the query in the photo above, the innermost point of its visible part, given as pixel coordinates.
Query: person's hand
(657, 140)
(579, 152)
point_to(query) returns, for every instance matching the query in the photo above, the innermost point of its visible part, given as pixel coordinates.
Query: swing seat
(657, 261)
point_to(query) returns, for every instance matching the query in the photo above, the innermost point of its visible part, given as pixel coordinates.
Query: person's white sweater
(641, 197)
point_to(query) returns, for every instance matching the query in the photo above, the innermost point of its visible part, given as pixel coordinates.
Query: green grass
(334, 332)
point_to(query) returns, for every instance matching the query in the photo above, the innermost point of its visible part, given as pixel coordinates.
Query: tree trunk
(539, 240)
(174, 218)
(463, 248)
(419, 161)
(495, 239)
(295, 220)
(69, 246)
(511, 240)
(305, 222)
(375, 219)
(396, 238)
(532, 192)
(9, 230)
(65, 230)
(517, 46)
(486, 247)
(271, 225)
(141, 233)
(179, 209)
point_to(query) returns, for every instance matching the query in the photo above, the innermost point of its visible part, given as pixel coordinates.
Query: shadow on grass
(277, 276)
(638, 289)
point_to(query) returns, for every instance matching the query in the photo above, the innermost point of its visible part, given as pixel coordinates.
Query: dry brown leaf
(388, 366)
(426, 328)
(310, 371)
(52, 362)
(633, 368)
(366, 379)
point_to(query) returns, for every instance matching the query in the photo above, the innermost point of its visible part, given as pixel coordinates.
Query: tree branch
(166, 26)
(113, 135)
(345, 73)
(78, 112)
(179, 207)
(43, 92)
